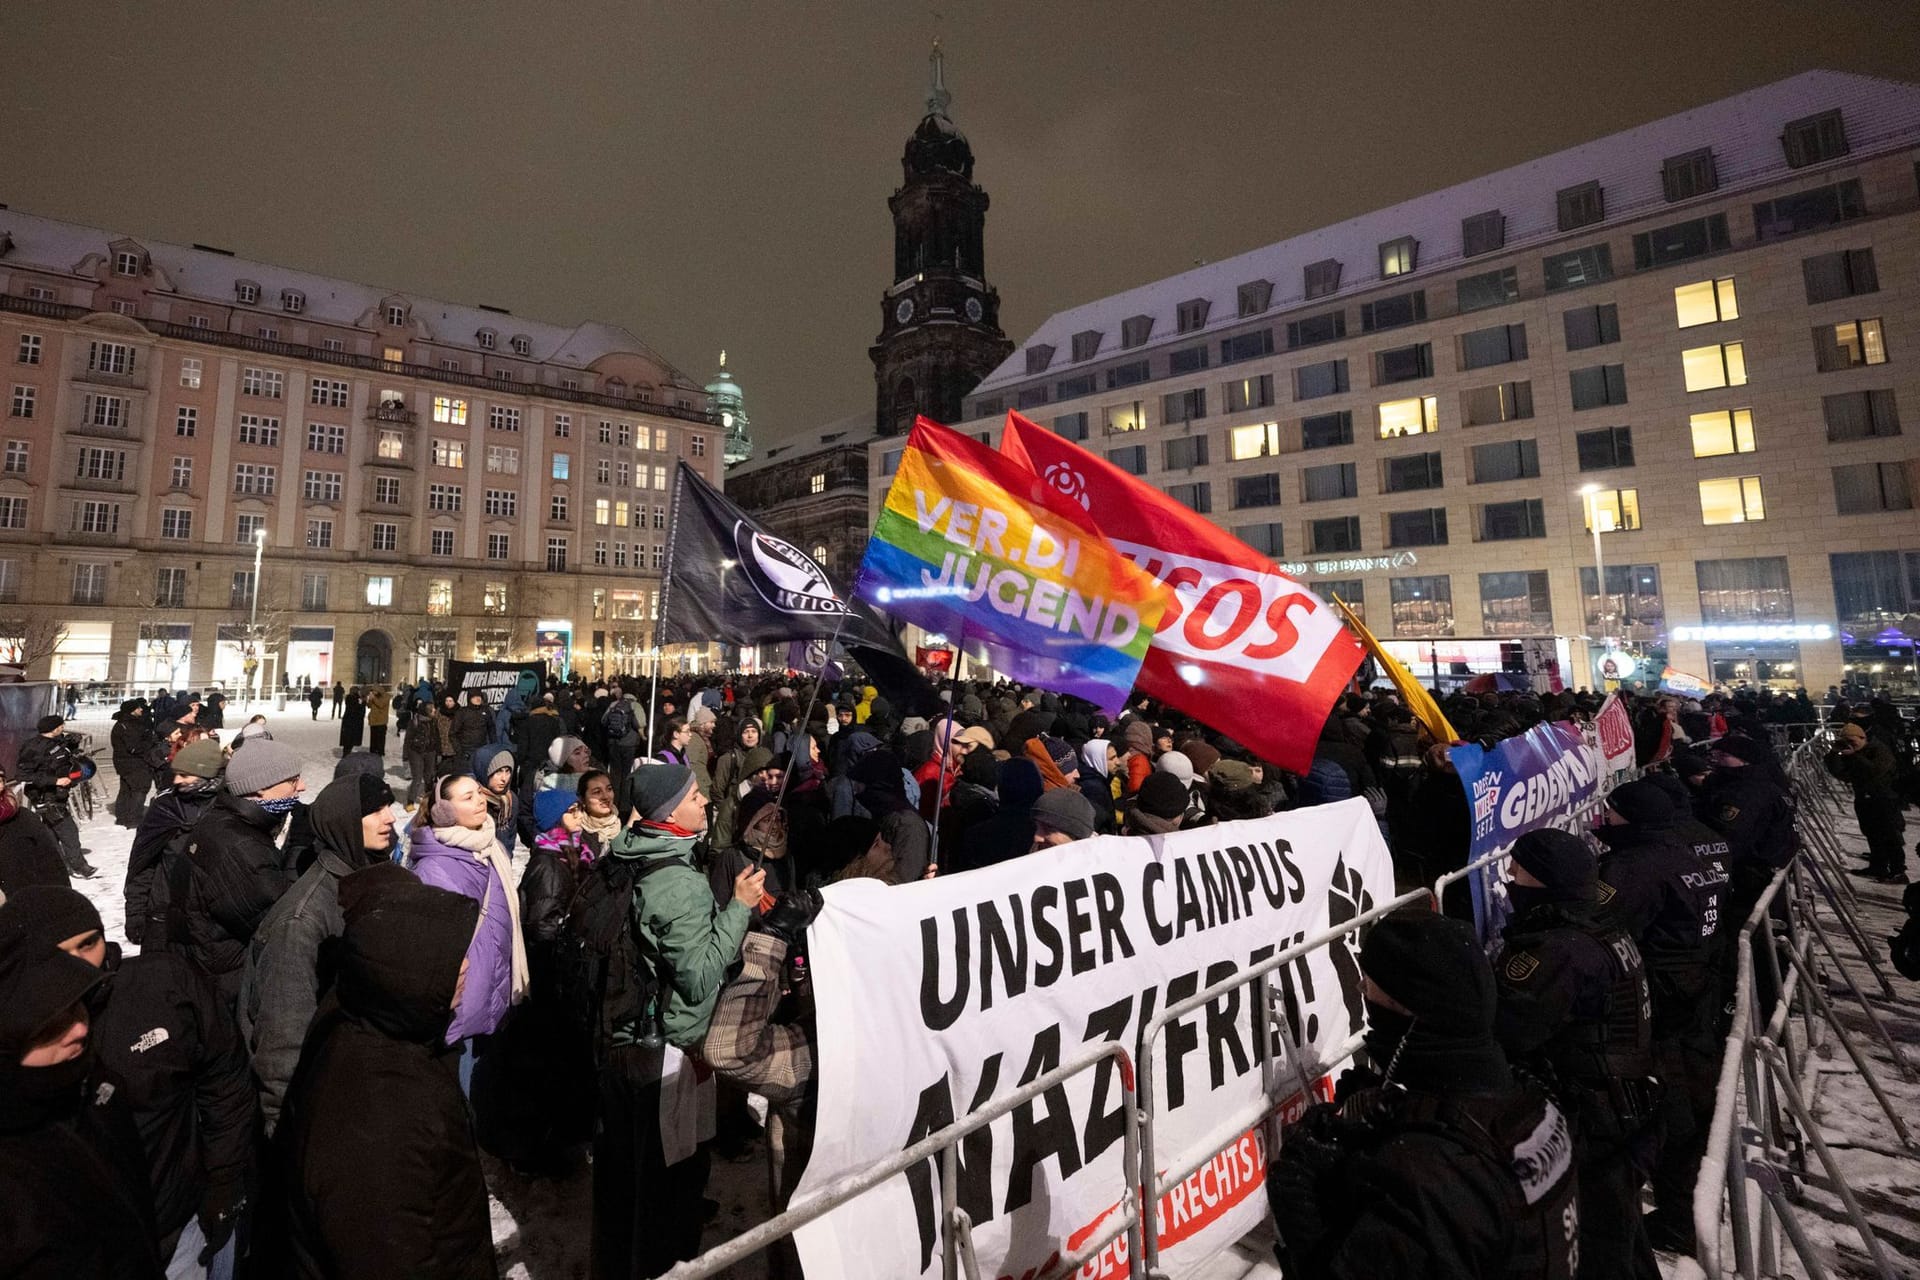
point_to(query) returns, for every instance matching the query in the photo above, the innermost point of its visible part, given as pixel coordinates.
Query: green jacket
(678, 921)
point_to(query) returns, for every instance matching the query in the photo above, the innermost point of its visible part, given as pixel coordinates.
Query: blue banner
(1548, 776)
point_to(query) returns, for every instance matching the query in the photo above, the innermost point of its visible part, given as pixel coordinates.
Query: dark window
(1071, 426)
(1039, 357)
(1808, 210)
(1192, 315)
(1326, 430)
(1501, 344)
(1416, 471)
(1086, 344)
(1328, 483)
(1576, 267)
(1126, 375)
(1502, 402)
(1861, 415)
(1311, 381)
(1488, 289)
(1424, 528)
(1029, 397)
(1349, 591)
(1515, 603)
(1135, 330)
(1811, 139)
(1422, 606)
(1872, 588)
(1505, 460)
(1074, 388)
(1130, 458)
(1246, 346)
(1255, 296)
(1483, 233)
(1187, 360)
(1186, 453)
(1313, 329)
(1843, 274)
(1403, 364)
(1195, 497)
(1322, 278)
(1689, 175)
(1257, 491)
(1604, 449)
(1391, 313)
(1249, 393)
(1592, 326)
(1633, 609)
(1871, 486)
(1264, 538)
(988, 407)
(1329, 536)
(1505, 521)
(1598, 385)
(1682, 240)
(1581, 206)
(1756, 590)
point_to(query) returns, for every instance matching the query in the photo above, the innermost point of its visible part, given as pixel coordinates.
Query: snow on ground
(540, 1225)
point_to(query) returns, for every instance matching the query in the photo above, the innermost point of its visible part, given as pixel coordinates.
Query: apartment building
(1698, 336)
(213, 468)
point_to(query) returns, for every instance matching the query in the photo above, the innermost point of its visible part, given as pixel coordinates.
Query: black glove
(788, 918)
(220, 1212)
(1293, 1193)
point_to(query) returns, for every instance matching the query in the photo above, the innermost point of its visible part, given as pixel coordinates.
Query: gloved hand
(1293, 1193)
(790, 916)
(220, 1212)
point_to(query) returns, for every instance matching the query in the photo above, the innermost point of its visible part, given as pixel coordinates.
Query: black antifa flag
(729, 579)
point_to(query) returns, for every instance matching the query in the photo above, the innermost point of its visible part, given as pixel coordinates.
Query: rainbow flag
(966, 545)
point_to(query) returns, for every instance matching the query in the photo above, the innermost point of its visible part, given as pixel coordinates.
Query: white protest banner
(1615, 730)
(934, 998)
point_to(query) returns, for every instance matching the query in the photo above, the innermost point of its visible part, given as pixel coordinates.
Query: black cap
(1434, 967)
(41, 982)
(1561, 861)
(49, 723)
(1642, 802)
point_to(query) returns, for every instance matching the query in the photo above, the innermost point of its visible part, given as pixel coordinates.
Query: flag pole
(666, 599)
(953, 699)
(820, 678)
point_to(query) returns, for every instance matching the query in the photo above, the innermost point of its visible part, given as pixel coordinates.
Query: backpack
(618, 721)
(615, 986)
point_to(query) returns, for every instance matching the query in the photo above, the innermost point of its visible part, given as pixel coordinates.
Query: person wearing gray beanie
(654, 791)
(1061, 816)
(259, 765)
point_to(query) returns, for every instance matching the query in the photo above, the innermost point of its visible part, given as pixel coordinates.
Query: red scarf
(669, 829)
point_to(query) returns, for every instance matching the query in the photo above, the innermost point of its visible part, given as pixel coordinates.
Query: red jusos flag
(1241, 647)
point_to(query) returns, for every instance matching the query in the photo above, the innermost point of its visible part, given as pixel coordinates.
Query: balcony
(393, 412)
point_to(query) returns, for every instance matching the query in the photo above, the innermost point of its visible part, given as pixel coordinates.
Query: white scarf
(485, 848)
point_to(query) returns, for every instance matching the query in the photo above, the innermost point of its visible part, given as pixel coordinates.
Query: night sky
(715, 174)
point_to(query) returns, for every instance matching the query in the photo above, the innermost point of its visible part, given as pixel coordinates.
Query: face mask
(1387, 1031)
(1526, 897)
(283, 805)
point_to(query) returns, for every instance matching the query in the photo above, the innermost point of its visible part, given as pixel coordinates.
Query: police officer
(1574, 1011)
(1449, 1167)
(1659, 889)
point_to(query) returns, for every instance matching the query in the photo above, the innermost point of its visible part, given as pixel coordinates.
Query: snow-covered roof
(853, 430)
(212, 276)
(1744, 131)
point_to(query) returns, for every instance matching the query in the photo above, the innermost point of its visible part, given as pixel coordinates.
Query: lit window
(1721, 432)
(449, 453)
(393, 445)
(503, 459)
(189, 372)
(817, 483)
(1409, 417)
(1706, 302)
(1732, 501)
(1722, 365)
(449, 410)
(1617, 509)
(1849, 345)
(1126, 417)
(1397, 257)
(380, 591)
(439, 597)
(602, 511)
(393, 357)
(1261, 440)
(560, 466)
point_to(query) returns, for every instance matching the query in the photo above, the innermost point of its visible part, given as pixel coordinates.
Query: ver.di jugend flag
(965, 544)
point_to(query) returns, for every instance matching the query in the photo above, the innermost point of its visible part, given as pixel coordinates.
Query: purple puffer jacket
(489, 990)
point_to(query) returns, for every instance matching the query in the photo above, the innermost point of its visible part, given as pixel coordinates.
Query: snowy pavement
(540, 1225)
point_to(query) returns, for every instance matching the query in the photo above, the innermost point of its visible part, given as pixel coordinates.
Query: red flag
(1242, 647)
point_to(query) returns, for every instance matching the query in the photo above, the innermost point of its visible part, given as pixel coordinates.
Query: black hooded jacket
(381, 1169)
(238, 874)
(1667, 898)
(172, 813)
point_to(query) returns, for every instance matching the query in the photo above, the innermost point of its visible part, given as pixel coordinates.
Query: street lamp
(1591, 494)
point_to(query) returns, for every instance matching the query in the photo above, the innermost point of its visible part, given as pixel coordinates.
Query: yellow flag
(1418, 700)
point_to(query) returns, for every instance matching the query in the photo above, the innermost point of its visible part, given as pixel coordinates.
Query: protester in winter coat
(196, 780)
(314, 699)
(881, 786)
(49, 765)
(238, 872)
(1099, 762)
(973, 801)
(457, 849)
(379, 704)
(1868, 767)
(1159, 808)
(472, 727)
(290, 961)
(78, 1200)
(729, 782)
(353, 722)
(1136, 758)
(493, 766)
(1009, 832)
(428, 740)
(378, 1153)
(339, 697)
(162, 1040)
(28, 852)
(132, 739)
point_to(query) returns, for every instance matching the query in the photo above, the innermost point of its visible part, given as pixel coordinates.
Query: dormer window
(1192, 315)
(1135, 330)
(486, 339)
(1581, 206)
(1255, 297)
(1039, 356)
(1322, 278)
(522, 345)
(396, 314)
(246, 291)
(1086, 344)
(293, 300)
(1483, 233)
(126, 264)
(6, 243)
(1812, 139)
(616, 387)
(1398, 257)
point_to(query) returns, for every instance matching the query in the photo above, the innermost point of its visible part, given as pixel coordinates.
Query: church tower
(730, 405)
(940, 320)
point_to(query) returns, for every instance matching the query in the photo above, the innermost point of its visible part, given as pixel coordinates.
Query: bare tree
(431, 641)
(258, 633)
(28, 635)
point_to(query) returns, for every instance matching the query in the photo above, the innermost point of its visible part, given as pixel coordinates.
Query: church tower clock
(940, 320)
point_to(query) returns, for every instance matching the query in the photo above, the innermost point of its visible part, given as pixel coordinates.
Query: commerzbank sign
(1351, 564)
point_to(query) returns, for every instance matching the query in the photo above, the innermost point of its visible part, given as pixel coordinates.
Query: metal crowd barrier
(1763, 1112)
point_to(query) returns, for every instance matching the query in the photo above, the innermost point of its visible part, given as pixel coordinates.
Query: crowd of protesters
(337, 1004)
